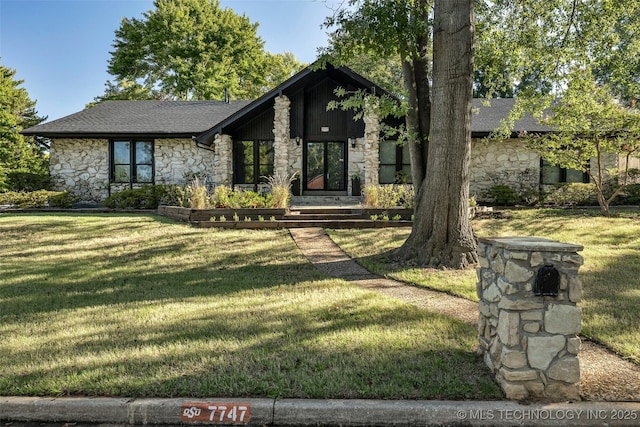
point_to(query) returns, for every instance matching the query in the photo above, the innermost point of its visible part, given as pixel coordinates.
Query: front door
(325, 166)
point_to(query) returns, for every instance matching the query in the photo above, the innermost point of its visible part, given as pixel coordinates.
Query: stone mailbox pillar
(530, 341)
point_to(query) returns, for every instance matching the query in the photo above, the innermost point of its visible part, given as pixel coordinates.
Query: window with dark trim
(554, 174)
(252, 161)
(131, 161)
(395, 166)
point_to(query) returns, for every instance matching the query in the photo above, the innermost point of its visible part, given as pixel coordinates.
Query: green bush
(147, 197)
(225, 197)
(63, 200)
(631, 195)
(38, 199)
(26, 181)
(502, 195)
(575, 194)
(389, 196)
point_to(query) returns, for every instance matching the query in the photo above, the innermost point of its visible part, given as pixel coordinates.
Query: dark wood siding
(258, 127)
(323, 125)
(297, 114)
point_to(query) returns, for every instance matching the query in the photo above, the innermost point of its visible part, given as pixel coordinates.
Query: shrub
(64, 200)
(389, 196)
(221, 197)
(38, 199)
(147, 197)
(502, 195)
(174, 195)
(25, 181)
(250, 199)
(575, 194)
(225, 197)
(632, 194)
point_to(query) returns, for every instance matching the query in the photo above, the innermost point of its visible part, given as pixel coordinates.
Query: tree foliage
(533, 49)
(22, 159)
(193, 49)
(589, 126)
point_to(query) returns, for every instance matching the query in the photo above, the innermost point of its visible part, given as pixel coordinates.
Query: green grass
(134, 305)
(610, 274)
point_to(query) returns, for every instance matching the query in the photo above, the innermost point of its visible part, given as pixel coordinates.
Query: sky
(60, 48)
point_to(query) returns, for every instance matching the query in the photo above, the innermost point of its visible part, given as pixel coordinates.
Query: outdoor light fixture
(353, 142)
(298, 140)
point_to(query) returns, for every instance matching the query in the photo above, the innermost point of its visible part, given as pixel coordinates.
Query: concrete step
(305, 216)
(329, 201)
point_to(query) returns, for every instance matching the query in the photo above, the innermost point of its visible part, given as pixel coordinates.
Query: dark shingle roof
(486, 118)
(183, 118)
(190, 118)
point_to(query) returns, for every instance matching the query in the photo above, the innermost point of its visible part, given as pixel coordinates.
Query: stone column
(530, 341)
(371, 144)
(281, 132)
(222, 162)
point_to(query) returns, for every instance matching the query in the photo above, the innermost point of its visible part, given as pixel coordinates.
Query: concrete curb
(300, 412)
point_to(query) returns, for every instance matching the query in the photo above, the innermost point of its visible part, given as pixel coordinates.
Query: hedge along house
(117, 145)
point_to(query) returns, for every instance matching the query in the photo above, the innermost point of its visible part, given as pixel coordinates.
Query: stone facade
(222, 169)
(507, 162)
(80, 166)
(530, 341)
(177, 160)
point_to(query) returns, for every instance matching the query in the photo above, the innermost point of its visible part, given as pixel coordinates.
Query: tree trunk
(442, 234)
(413, 122)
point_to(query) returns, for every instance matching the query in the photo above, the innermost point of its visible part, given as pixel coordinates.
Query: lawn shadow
(216, 313)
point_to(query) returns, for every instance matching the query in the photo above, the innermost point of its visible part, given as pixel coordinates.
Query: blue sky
(60, 48)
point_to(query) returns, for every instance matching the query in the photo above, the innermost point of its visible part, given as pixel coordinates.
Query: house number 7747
(216, 413)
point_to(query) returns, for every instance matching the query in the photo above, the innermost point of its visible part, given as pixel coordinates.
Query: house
(116, 145)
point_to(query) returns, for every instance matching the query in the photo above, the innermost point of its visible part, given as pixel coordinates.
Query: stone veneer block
(508, 324)
(563, 319)
(542, 350)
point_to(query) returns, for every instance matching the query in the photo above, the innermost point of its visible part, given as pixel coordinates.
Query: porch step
(326, 201)
(323, 216)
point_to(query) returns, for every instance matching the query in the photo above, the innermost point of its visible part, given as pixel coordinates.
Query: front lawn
(610, 274)
(135, 305)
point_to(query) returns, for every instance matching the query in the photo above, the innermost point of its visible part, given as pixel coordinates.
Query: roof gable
(307, 77)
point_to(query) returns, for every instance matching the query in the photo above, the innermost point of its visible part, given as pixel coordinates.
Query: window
(395, 166)
(131, 161)
(550, 174)
(252, 161)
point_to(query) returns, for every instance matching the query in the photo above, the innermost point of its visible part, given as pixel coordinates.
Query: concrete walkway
(604, 375)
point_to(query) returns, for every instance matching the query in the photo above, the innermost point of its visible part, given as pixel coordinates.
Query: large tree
(193, 49)
(434, 42)
(23, 162)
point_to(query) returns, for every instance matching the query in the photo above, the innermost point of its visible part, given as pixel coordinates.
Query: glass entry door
(325, 166)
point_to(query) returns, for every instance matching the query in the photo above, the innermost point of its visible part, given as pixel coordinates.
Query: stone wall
(177, 160)
(80, 166)
(530, 341)
(507, 162)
